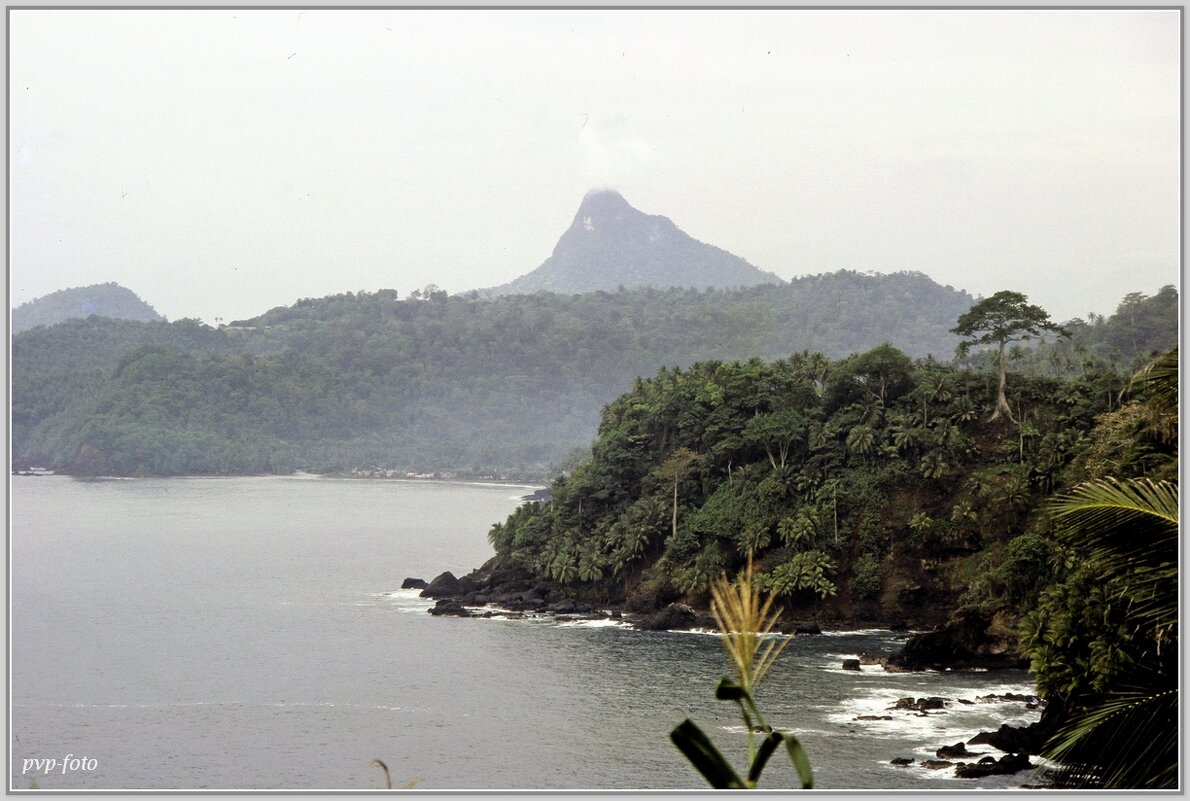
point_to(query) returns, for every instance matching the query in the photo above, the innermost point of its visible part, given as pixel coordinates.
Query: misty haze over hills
(611, 244)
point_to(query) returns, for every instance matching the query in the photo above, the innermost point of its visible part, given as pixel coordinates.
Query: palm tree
(861, 440)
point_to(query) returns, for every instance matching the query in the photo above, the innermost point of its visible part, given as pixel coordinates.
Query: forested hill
(871, 488)
(611, 244)
(877, 492)
(435, 383)
(105, 300)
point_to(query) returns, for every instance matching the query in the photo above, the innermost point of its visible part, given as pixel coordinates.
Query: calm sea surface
(248, 633)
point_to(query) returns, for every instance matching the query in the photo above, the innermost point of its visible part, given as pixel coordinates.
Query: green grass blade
(800, 760)
(705, 757)
(767, 747)
(728, 690)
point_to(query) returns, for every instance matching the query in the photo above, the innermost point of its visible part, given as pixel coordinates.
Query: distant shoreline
(301, 474)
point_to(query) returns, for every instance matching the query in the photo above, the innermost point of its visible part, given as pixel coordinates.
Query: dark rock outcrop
(674, 616)
(850, 664)
(920, 704)
(1024, 739)
(414, 584)
(968, 640)
(959, 749)
(444, 585)
(902, 762)
(449, 606)
(990, 766)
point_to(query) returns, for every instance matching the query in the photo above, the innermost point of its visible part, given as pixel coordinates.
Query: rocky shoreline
(1016, 743)
(510, 592)
(968, 641)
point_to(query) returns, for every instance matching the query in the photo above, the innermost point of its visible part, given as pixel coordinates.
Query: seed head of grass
(744, 621)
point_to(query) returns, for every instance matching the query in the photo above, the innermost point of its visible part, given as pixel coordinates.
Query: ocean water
(249, 633)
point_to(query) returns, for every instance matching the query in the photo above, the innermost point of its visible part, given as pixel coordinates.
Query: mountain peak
(612, 244)
(604, 201)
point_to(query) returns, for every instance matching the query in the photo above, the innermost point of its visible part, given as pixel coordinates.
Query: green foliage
(806, 571)
(714, 767)
(1104, 639)
(700, 444)
(1025, 570)
(869, 577)
(1004, 317)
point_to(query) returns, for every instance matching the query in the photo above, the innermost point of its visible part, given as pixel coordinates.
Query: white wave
(956, 722)
(854, 632)
(597, 623)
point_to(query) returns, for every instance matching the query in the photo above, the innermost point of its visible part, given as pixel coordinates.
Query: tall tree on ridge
(1004, 317)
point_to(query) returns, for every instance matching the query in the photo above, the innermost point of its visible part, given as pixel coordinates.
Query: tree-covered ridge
(105, 300)
(430, 383)
(868, 486)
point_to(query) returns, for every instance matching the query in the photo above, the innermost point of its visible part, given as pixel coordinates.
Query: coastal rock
(674, 616)
(850, 664)
(449, 606)
(807, 628)
(414, 584)
(901, 762)
(874, 717)
(970, 639)
(524, 604)
(936, 764)
(444, 585)
(1027, 699)
(920, 704)
(1011, 739)
(989, 766)
(959, 749)
(565, 606)
(569, 606)
(873, 659)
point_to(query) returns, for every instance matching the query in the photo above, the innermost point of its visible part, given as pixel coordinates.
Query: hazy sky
(222, 162)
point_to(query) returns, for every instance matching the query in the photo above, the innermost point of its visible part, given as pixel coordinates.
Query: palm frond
(1092, 751)
(1127, 737)
(1159, 381)
(1120, 521)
